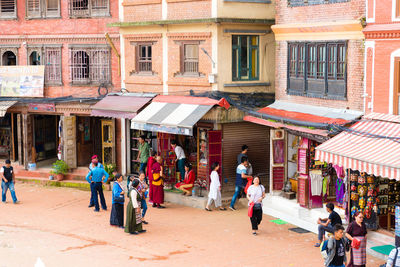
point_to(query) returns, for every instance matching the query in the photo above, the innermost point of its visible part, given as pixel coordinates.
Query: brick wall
(355, 73)
(64, 31)
(143, 11)
(353, 9)
(189, 10)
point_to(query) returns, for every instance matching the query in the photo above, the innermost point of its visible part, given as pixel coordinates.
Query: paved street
(55, 225)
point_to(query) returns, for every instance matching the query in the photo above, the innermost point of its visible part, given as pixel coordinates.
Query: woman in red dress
(187, 185)
(158, 184)
(149, 174)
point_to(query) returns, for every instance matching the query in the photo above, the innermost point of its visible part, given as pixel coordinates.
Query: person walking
(256, 194)
(144, 153)
(180, 158)
(8, 181)
(118, 199)
(96, 176)
(143, 191)
(327, 224)
(187, 184)
(158, 183)
(215, 188)
(133, 224)
(336, 248)
(241, 180)
(357, 233)
(95, 159)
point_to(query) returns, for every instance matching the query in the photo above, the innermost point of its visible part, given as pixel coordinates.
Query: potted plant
(202, 184)
(60, 168)
(110, 168)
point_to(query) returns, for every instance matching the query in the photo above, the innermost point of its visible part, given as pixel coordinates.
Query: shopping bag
(250, 211)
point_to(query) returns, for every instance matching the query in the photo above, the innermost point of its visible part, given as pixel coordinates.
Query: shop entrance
(8, 142)
(89, 139)
(45, 137)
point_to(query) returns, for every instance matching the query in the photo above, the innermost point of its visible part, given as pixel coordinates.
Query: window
(245, 57)
(89, 65)
(9, 59)
(42, 8)
(88, 8)
(8, 9)
(144, 63)
(50, 56)
(191, 58)
(325, 63)
(294, 3)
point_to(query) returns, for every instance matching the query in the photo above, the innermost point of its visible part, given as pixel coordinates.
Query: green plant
(60, 167)
(109, 168)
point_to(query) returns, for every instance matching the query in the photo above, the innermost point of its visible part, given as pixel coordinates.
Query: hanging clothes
(339, 171)
(316, 182)
(340, 190)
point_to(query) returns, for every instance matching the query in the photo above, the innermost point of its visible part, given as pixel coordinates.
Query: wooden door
(108, 141)
(69, 136)
(215, 150)
(27, 125)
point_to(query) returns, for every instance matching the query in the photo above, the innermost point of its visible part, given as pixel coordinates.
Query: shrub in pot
(60, 168)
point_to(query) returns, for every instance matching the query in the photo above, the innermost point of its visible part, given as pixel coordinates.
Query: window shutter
(8, 8)
(52, 8)
(33, 8)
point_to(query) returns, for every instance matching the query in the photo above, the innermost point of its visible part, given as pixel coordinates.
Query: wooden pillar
(114, 144)
(27, 133)
(69, 141)
(19, 138)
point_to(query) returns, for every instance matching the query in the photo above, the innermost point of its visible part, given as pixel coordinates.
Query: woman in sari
(117, 210)
(133, 223)
(357, 230)
(158, 184)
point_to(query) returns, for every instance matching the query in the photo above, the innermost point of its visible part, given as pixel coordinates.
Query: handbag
(250, 210)
(356, 243)
(119, 199)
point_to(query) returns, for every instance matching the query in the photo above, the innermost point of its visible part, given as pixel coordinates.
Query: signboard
(42, 107)
(302, 191)
(302, 161)
(21, 81)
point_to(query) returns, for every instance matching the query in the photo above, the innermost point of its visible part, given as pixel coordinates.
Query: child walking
(7, 182)
(336, 248)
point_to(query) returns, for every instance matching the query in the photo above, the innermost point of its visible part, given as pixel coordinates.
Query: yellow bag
(155, 177)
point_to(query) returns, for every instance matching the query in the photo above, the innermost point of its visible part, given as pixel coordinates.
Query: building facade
(81, 63)
(382, 51)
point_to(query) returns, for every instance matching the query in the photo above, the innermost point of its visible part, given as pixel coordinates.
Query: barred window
(50, 57)
(89, 8)
(144, 56)
(8, 9)
(191, 58)
(325, 63)
(89, 65)
(42, 8)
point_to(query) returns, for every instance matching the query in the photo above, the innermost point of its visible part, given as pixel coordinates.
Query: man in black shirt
(336, 249)
(7, 181)
(327, 224)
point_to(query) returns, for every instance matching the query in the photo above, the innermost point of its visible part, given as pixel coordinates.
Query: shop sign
(21, 81)
(303, 191)
(42, 107)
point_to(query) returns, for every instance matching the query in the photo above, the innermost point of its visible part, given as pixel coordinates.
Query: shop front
(368, 151)
(8, 146)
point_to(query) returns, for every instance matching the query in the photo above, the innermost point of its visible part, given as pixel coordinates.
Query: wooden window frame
(182, 72)
(43, 11)
(89, 12)
(140, 61)
(396, 87)
(94, 65)
(320, 66)
(11, 48)
(8, 15)
(236, 47)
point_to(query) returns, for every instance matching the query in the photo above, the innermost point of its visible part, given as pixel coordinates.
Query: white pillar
(165, 62)
(123, 146)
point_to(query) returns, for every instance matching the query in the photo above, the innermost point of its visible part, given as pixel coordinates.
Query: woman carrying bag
(117, 210)
(255, 195)
(357, 233)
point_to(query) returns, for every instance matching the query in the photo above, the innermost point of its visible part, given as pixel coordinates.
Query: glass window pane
(254, 40)
(254, 59)
(235, 64)
(244, 57)
(235, 40)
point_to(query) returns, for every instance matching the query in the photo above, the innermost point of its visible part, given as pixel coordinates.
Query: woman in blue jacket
(117, 211)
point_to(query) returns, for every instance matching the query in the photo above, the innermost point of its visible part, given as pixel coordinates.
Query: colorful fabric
(339, 190)
(360, 254)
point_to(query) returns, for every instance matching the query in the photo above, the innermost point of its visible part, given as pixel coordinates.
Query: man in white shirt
(180, 158)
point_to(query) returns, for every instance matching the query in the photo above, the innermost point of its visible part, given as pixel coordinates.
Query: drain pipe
(110, 42)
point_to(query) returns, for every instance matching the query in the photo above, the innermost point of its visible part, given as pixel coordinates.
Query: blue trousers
(98, 188)
(181, 168)
(143, 167)
(238, 190)
(144, 207)
(91, 203)
(5, 186)
(322, 229)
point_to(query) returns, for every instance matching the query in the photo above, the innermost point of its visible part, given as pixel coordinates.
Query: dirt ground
(54, 226)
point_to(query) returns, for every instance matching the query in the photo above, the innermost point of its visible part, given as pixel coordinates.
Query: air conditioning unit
(212, 78)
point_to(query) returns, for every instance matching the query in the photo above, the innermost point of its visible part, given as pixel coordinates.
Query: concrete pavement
(54, 225)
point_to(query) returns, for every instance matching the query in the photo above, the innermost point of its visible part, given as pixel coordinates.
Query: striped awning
(371, 146)
(4, 105)
(174, 114)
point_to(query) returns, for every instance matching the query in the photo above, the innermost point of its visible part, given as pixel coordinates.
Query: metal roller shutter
(257, 138)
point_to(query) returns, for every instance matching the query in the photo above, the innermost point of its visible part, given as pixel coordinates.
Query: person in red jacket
(187, 184)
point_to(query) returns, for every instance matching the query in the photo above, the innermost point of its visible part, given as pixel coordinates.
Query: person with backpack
(393, 259)
(7, 182)
(336, 248)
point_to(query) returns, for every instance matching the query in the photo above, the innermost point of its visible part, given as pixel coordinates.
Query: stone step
(64, 183)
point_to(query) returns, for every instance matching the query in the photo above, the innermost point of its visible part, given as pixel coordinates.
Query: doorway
(45, 136)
